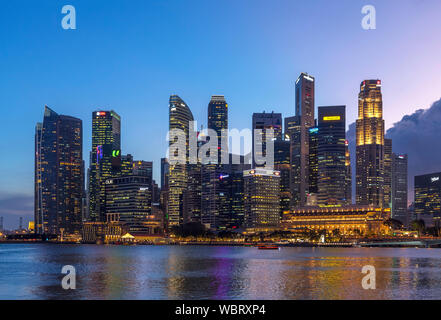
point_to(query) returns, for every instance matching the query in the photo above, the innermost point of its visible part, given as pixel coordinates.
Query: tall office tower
(264, 121)
(218, 121)
(387, 203)
(128, 199)
(305, 92)
(348, 180)
(282, 164)
(59, 183)
(293, 133)
(399, 188)
(261, 199)
(332, 155)
(214, 211)
(180, 117)
(164, 173)
(370, 145)
(311, 199)
(105, 158)
(1, 224)
(193, 194)
(428, 198)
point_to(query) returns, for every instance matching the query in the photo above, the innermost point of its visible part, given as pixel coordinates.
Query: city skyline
(18, 175)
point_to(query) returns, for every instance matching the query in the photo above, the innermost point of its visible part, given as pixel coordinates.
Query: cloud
(419, 136)
(14, 206)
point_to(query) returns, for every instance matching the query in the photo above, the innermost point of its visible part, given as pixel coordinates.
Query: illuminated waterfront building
(282, 164)
(59, 180)
(399, 188)
(214, 194)
(129, 201)
(348, 179)
(265, 121)
(428, 198)
(304, 107)
(313, 161)
(105, 158)
(331, 153)
(180, 117)
(218, 121)
(348, 220)
(293, 133)
(370, 145)
(387, 173)
(261, 199)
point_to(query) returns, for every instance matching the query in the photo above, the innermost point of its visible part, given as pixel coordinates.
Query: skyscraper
(105, 158)
(399, 188)
(282, 164)
(180, 117)
(387, 173)
(348, 180)
(313, 165)
(218, 121)
(261, 199)
(370, 145)
(331, 154)
(428, 198)
(265, 121)
(59, 183)
(304, 106)
(128, 199)
(293, 133)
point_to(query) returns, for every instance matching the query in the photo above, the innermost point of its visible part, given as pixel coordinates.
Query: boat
(268, 247)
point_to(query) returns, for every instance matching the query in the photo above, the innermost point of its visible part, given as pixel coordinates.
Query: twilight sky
(131, 55)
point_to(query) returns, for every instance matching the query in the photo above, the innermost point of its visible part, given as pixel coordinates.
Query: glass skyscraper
(305, 109)
(59, 180)
(370, 145)
(331, 154)
(180, 117)
(105, 158)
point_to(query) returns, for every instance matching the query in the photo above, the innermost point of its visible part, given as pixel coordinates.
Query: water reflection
(195, 272)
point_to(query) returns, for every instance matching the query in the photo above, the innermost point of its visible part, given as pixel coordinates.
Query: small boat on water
(268, 247)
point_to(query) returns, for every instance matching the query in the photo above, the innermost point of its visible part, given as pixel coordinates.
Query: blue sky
(131, 55)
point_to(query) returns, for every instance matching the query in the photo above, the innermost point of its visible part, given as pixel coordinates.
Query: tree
(418, 225)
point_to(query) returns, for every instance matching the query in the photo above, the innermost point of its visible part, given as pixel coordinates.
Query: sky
(131, 55)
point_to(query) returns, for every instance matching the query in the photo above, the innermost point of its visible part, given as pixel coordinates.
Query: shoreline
(228, 244)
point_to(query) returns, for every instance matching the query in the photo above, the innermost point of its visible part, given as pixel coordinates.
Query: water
(33, 271)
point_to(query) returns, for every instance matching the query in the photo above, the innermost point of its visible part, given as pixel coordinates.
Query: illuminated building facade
(180, 117)
(105, 158)
(282, 164)
(218, 121)
(428, 198)
(265, 121)
(348, 179)
(399, 188)
(331, 155)
(370, 145)
(349, 220)
(387, 173)
(59, 179)
(261, 199)
(293, 133)
(304, 106)
(313, 134)
(129, 202)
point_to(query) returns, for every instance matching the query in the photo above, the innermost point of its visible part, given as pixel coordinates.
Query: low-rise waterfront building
(349, 220)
